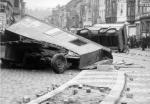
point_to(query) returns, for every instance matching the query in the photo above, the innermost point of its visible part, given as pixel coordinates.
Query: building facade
(95, 11)
(6, 13)
(3, 5)
(102, 8)
(87, 21)
(68, 16)
(111, 11)
(142, 18)
(74, 14)
(121, 11)
(131, 7)
(81, 13)
(130, 14)
(10, 12)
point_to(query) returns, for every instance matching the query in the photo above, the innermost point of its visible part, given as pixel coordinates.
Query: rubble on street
(134, 84)
(74, 51)
(124, 88)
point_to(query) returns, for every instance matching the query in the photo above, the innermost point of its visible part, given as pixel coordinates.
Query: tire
(59, 63)
(5, 63)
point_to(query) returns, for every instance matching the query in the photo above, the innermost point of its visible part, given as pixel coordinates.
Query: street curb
(116, 92)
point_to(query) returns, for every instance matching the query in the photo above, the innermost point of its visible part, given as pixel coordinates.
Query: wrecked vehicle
(113, 36)
(31, 43)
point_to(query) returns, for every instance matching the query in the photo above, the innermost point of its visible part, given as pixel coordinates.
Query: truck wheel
(5, 63)
(59, 63)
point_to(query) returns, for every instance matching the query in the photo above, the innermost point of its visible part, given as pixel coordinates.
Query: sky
(44, 4)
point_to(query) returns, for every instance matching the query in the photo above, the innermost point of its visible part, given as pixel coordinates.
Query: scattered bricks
(88, 90)
(127, 89)
(40, 94)
(100, 101)
(48, 89)
(26, 99)
(105, 67)
(54, 86)
(46, 102)
(102, 90)
(70, 100)
(80, 86)
(18, 102)
(123, 61)
(129, 95)
(116, 67)
(131, 79)
(66, 101)
(144, 60)
(123, 102)
(75, 92)
(121, 95)
(74, 86)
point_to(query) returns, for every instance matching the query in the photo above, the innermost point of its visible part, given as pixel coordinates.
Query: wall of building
(2, 15)
(102, 8)
(11, 10)
(95, 11)
(88, 13)
(121, 10)
(142, 12)
(111, 11)
(68, 16)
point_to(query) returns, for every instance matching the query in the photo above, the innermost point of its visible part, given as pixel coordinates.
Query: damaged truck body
(113, 36)
(32, 43)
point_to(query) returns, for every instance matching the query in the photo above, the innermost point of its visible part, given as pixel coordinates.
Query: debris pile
(80, 94)
(125, 64)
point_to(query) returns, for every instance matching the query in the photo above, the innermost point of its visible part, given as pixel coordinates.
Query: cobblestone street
(18, 83)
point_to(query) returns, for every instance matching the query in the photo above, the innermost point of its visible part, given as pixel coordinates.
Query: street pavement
(93, 79)
(15, 84)
(137, 88)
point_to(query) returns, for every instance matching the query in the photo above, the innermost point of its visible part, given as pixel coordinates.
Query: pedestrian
(134, 41)
(131, 42)
(143, 43)
(127, 47)
(148, 40)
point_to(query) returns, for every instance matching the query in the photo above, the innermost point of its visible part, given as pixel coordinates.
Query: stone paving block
(26, 99)
(105, 67)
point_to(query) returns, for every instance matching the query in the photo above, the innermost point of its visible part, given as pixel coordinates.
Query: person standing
(143, 43)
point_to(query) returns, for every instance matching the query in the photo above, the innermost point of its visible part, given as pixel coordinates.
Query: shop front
(143, 28)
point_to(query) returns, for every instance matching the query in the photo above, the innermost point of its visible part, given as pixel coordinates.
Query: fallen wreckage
(113, 36)
(32, 43)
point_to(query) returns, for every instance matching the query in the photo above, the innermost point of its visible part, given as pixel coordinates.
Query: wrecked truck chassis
(33, 43)
(22, 54)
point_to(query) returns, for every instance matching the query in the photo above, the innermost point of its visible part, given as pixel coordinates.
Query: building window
(16, 3)
(2, 8)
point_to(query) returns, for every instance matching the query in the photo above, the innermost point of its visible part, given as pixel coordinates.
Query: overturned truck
(113, 36)
(32, 43)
